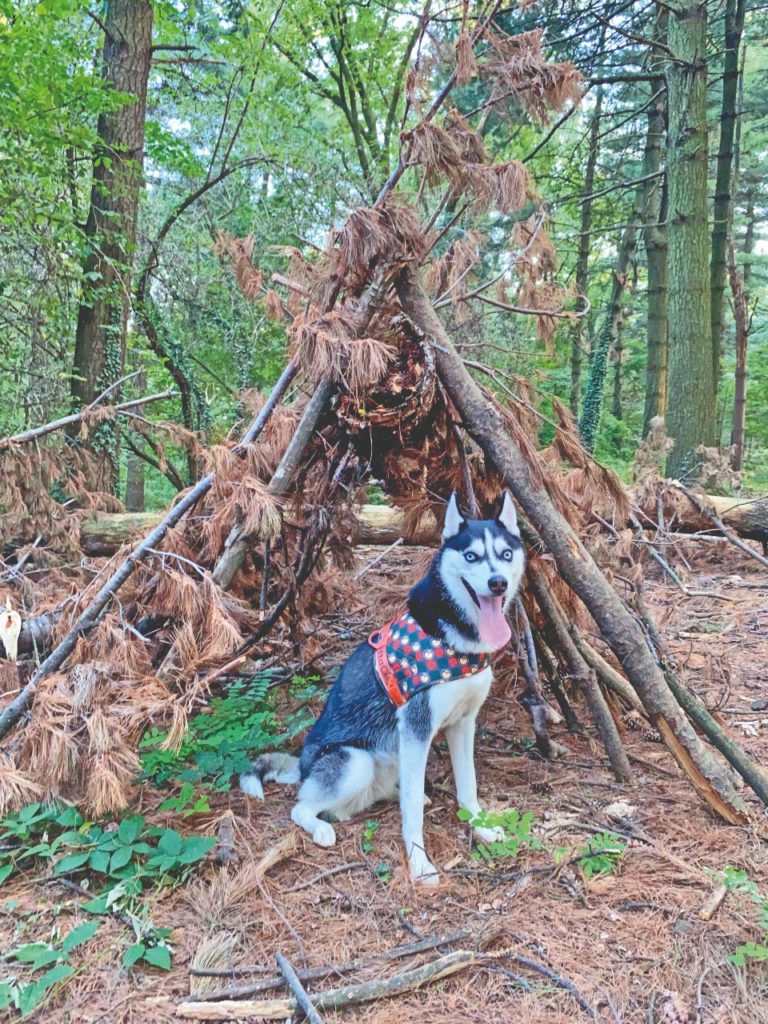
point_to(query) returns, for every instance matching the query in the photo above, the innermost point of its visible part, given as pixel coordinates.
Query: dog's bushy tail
(269, 767)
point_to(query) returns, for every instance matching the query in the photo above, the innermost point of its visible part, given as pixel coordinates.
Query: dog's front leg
(461, 744)
(413, 766)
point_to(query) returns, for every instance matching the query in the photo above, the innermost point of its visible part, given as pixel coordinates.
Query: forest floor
(631, 941)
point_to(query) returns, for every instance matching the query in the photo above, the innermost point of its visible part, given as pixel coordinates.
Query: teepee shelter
(377, 388)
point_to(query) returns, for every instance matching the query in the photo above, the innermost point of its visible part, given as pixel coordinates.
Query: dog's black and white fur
(362, 747)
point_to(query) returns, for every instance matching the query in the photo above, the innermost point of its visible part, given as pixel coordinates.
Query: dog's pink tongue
(493, 627)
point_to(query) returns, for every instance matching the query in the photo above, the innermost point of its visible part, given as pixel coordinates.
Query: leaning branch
(66, 421)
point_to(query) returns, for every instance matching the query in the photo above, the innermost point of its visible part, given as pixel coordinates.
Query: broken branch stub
(576, 566)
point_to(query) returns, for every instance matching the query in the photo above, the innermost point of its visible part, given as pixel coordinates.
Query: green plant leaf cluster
(518, 833)
(220, 742)
(739, 881)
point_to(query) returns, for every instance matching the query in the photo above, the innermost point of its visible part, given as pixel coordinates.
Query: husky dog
(372, 739)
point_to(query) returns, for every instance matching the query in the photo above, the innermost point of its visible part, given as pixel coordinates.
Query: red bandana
(409, 660)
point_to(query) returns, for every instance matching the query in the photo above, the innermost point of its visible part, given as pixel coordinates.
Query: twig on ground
(351, 866)
(302, 996)
(379, 558)
(350, 995)
(318, 973)
(556, 979)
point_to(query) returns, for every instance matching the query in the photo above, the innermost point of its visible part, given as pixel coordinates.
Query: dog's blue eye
(470, 556)
(506, 555)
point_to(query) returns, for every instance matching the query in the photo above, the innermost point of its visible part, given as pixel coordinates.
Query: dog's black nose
(497, 585)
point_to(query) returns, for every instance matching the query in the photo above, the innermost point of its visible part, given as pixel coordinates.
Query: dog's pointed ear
(508, 515)
(454, 520)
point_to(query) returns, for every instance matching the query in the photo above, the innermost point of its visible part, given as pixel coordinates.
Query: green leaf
(133, 953)
(5, 871)
(45, 957)
(26, 814)
(159, 956)
(6, 994)
(120, 858)
(130, 829)
(82, 933)
(170, 843)
(195, 848)
(70, 863)
(464, 815)
(28, 953)
(99, 861)
(70, 817)
(98, 905)
(31, 996)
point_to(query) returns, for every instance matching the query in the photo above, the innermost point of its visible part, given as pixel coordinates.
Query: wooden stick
(582, 674)
(66, 421)
(318, 973)
(613, 680)
(556, 979)
(334, 999)
(711, 907)
(302, 996)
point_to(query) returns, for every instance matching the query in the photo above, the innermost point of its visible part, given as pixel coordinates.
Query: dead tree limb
(349, 995)
(701, 506)
(95, 609)
(606, 672)
(622, 632)
(238, 542)
(92, 614)
(67, 421)
(302, 996)
(582, 674)
(542, 714)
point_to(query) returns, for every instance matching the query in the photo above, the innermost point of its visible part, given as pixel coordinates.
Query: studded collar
(409, 660)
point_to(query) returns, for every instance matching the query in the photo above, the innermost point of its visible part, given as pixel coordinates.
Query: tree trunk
(593, 396)
(134, 473)
(691, 400)
(723, 208)
(621, 631)
(655, 240)
(110, 229)
(618, 359)
(741, 316)
(578, 342)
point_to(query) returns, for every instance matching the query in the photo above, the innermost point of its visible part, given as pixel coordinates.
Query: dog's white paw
(423, 871)
(324, 834)
(490, 835)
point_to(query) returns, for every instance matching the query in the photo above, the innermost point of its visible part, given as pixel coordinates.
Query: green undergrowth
(222, 739)
(112, 866)
(757, 951)
(599, 855)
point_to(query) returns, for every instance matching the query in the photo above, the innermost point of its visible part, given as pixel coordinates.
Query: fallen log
(376, 524)
(383, 525)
